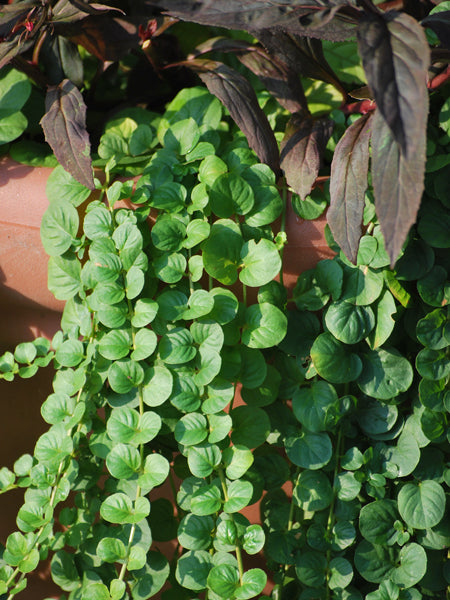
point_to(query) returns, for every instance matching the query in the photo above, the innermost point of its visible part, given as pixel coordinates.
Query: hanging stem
(237, 548)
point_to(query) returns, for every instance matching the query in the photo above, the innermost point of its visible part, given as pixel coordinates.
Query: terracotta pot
(28, 310)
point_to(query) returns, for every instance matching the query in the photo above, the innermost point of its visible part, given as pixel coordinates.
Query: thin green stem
(283, 225)
(237, 548)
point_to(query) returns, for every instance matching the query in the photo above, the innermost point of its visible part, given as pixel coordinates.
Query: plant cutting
(343, 431)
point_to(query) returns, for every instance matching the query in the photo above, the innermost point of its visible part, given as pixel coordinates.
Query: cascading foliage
(343, 429)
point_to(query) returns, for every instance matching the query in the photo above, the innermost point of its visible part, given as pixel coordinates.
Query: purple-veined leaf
(238, 96)
(256, 15)
(301, 151)
(439, 22)
(398, 183)
(395, 56)
(64, 125)
(348, 184)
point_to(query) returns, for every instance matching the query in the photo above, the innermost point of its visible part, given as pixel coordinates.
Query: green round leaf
(191, 429)
(309, 450)
(362, 285)
(265, 326)
(316, 407)
(123, 461)
(253, 540)
(195, 532)
(59, 227)
(313, 491)
(375, 563)
(145, 342)
(203, 459)
(413, 566)
(170, 268)
(168, 233)
(193, 569)
(261, 262)
(376, 522)
(124, 375)
(115, 344)
(223, 580)
(349, 323)
(111, 550)
(206, 500)
(230, 194)
(157, 385)
(239, 495)
(222, 251)
(333, 361)
(177, 346)
(253, 582)
(341, 573)
(421, 505)
(433, 364)
(251, 426)
(385, 374)
(310, 568)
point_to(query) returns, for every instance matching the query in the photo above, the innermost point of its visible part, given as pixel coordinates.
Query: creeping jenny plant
(342, 435)
(345, 394)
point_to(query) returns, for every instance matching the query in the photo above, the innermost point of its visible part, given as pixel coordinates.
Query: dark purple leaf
(64, 125)
(303, 55)
(61, 60)
(11, 13)
(440, 24)
(348, 184)
(8, 50)
(238, 96)
(260, 14)
(398, 183)
(395, 56)
(69, 11)
(106, 37)
(280, 80)
(301, 151)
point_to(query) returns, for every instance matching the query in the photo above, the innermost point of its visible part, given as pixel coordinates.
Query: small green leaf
(333, 361)
(385, 374)
(313, 491)
(206, 500)
(223, 580)
(193, 569)
(309, 450)
(203, 458)
(421, 505)
(265, 326)
(261, 262)
(239, 495)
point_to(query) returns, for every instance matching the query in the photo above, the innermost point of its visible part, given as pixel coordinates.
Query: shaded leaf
(64, 125)
(348, 184)
(439, 22)
(255, 16)
(278, 78)
(106, 37)
(301, 151)
(238, 96)
(303, 55)
(395, 56)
